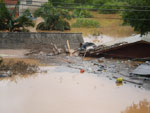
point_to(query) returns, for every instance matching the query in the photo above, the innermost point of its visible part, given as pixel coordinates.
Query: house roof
(129, 40)
(119, 44)
(11, 1)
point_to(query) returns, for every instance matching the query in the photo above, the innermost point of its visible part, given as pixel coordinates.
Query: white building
(32, 5)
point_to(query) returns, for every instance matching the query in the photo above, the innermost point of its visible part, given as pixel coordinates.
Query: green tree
(60, 2)
(139, 20)
(101, 2)
(83, 1)
(54, 18)
(9, 21)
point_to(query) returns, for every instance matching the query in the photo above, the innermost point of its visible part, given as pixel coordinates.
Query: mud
(109, 68)
(65, 90)
(12, 53)
(11, 68)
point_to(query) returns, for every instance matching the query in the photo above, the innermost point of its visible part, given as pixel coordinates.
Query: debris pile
(118, 69)
(130, 48)
(97, 50)
(16, 68)
(45, 49)
(142, 70)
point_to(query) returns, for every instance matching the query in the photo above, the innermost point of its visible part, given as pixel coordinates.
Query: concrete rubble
(110, 68)
(142, 70)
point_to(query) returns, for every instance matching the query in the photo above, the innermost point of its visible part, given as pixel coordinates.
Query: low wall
(27, 40)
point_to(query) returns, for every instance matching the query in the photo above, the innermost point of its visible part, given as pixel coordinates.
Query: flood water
(65, 90)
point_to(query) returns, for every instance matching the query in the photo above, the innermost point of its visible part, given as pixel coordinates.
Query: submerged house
(132, 47)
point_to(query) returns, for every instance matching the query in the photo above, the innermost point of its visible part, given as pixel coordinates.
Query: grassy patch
(86, 23)
(110, 27)
(111, 10)
(78, 13)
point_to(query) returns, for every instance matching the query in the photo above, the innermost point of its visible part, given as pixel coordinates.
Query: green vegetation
(9, 21)
(78, 13)
(111, 7)
(140, 20)
(102, 2)
(88, 23)
(83, 1)
(54, 18)
(58, 2)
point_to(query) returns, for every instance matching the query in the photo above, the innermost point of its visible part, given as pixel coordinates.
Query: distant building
(11, 4)
(10, 1)
(32, 5)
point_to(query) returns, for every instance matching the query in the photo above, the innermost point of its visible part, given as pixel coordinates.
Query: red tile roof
(10, 1)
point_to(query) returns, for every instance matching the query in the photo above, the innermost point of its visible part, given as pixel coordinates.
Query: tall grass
(79, 13)
(86, 23)
(113, 6)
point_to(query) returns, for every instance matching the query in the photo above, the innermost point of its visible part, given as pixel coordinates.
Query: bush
(54, 18)
(111, 7)
(88, 23)
(9, 21)
(79, 13)
(138, 20)
(83, 1)
(101, 2)
(84, 6)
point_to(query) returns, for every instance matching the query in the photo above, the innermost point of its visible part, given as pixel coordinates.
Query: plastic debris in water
(82, 70)
(119, 80)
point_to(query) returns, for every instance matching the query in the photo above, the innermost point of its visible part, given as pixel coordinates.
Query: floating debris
(119, 80)
(82, 70)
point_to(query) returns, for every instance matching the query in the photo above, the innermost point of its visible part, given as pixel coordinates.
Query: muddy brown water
(65, 90)
(9, 53)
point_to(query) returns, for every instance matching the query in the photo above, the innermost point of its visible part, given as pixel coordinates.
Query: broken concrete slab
(142, 70)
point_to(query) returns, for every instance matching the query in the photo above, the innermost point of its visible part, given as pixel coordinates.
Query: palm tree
(54, 18)
(9, 21)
